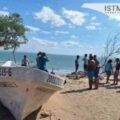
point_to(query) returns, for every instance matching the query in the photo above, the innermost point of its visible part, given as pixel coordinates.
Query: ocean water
(61, 64)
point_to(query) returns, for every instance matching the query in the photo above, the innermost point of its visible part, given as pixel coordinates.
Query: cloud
(71, 43)
(55, 44)
(4, 13)
(70, 25)
(90, 27)
(74, 36)
(48, 15)
(45, 43)
(32, 28)
(68, 47)
(93, 25)
(39, 45)
(50, 46)
(61, 32)
(5, 8)
(114, 17)
(93, 18)
(36, 30)
(45, 32)
(75, 17)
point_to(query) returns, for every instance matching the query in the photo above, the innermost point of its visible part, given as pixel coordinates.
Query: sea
(61, 64)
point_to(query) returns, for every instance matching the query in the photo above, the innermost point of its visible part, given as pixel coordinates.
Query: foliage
(12, 31)
(112, 48)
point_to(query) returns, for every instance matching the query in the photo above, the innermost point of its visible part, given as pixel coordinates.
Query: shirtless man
(91, 71)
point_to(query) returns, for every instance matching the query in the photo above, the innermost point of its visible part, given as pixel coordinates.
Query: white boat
(24, 90)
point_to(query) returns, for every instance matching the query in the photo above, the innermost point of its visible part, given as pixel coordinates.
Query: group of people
(41, 60)
(92, 67)
(109, 69)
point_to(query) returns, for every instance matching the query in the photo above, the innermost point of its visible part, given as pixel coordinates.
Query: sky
(63, 26)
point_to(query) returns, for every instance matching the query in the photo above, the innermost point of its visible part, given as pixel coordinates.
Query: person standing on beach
(91, 71)
(42, 59)
(116, 73)
(85, 60)
(108, 70)
(77, 63)
(96, 74)
(37, 59)
(25, 61)
(90, 55)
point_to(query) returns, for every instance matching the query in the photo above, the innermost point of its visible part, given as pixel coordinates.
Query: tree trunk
(14, 54)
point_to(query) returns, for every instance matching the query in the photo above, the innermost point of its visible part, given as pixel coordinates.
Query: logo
(105, 8)
(112, 9)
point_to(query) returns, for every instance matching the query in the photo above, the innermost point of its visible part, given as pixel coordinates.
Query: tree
(111, 49)
(12, 32)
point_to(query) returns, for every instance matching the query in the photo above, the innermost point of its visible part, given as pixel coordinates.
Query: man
(116, 73)
(85, 60)
(77, 63)
(25, 61)
(91, 71)
(108, 70)
(41, 61)
(37, 59)
(96, 74)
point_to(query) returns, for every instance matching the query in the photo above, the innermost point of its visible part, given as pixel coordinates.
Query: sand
(76, 102)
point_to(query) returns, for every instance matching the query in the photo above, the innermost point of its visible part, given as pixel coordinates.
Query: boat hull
(24, 90)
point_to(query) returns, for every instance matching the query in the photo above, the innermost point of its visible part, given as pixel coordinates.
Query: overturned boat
(24, 90)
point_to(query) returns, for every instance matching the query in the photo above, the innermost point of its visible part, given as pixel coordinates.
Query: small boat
(24, 90)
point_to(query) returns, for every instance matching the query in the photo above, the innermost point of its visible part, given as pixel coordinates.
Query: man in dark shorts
(91, 71)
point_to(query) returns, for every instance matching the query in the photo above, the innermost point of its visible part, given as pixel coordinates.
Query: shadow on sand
(33, 115)
(107, 86)
(75, 91)
(113, 87)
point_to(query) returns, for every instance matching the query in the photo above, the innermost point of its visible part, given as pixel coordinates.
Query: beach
(76, 102)
(52, 52)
